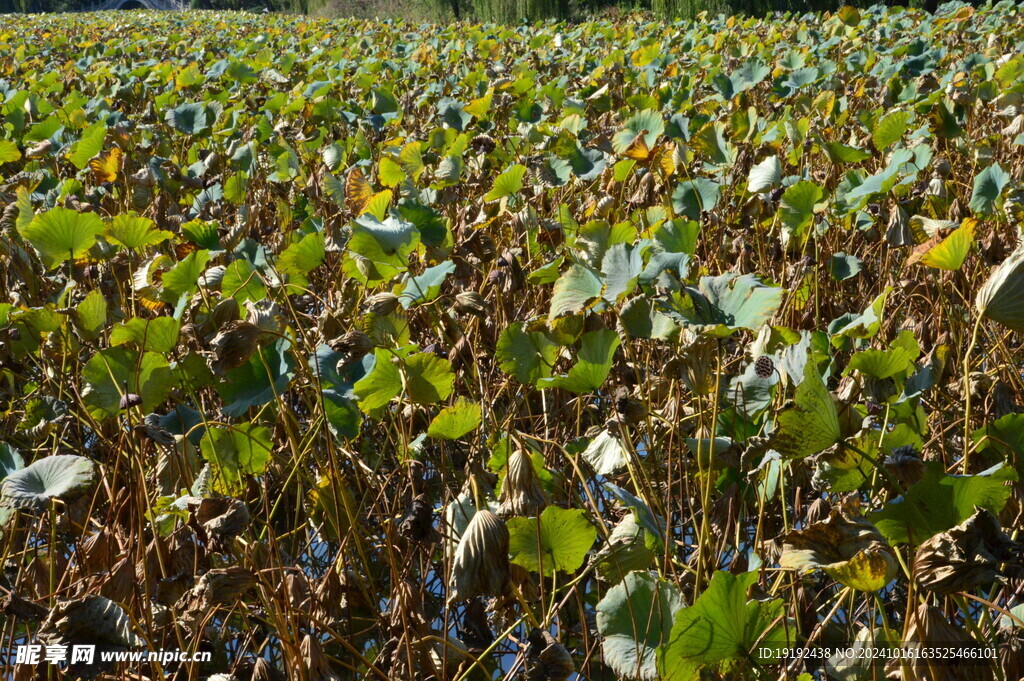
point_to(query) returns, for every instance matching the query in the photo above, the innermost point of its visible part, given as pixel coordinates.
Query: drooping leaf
(593, 362)
(575, 291)
(260, 380)
(238, 450)
(1001, 298)
(303, 256)
(949, 253)
(765, 175)
(114, 372)
(988, 187)
(527, 355)
(606, 454)
(796, 209)
(850, 550)
(428, 378)
(696, 196)
(153, 335)
(381, 383)
(508, 183)
(842, 266)
(890, 130)
(811, 423)
(134, 231)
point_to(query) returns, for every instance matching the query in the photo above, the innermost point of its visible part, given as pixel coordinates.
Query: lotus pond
(619, 350)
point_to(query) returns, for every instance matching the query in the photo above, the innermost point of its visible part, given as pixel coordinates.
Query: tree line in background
(491, 10)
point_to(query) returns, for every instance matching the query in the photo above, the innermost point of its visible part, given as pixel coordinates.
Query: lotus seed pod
(905, 465)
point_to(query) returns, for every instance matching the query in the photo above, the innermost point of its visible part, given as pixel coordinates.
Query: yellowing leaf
(358, 191)
(663, 159)
(378, 204)
(638, 148)
(389, 172)
(106, 168)
(479, 107)
(949, 254)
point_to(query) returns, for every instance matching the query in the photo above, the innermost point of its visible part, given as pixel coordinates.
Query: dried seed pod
(471, 302)
(129, 400)
(233, 345)
(964, 557)
(905, 465)
(482, 144)
(547, 659)
(521, 493)
(382, 304)
(354, 342)
(481, 565)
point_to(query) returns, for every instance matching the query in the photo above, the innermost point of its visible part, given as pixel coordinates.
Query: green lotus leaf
(62, 476)
(455, 421)
(634, 619)
(724, 626)
(557, 541)
(62, 234)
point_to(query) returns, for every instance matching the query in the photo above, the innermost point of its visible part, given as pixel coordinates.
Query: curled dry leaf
(964, 557)
(925, 638)
(849, 549)
(221, 586)
(221, 518)
(92, 620)
(233, 345)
